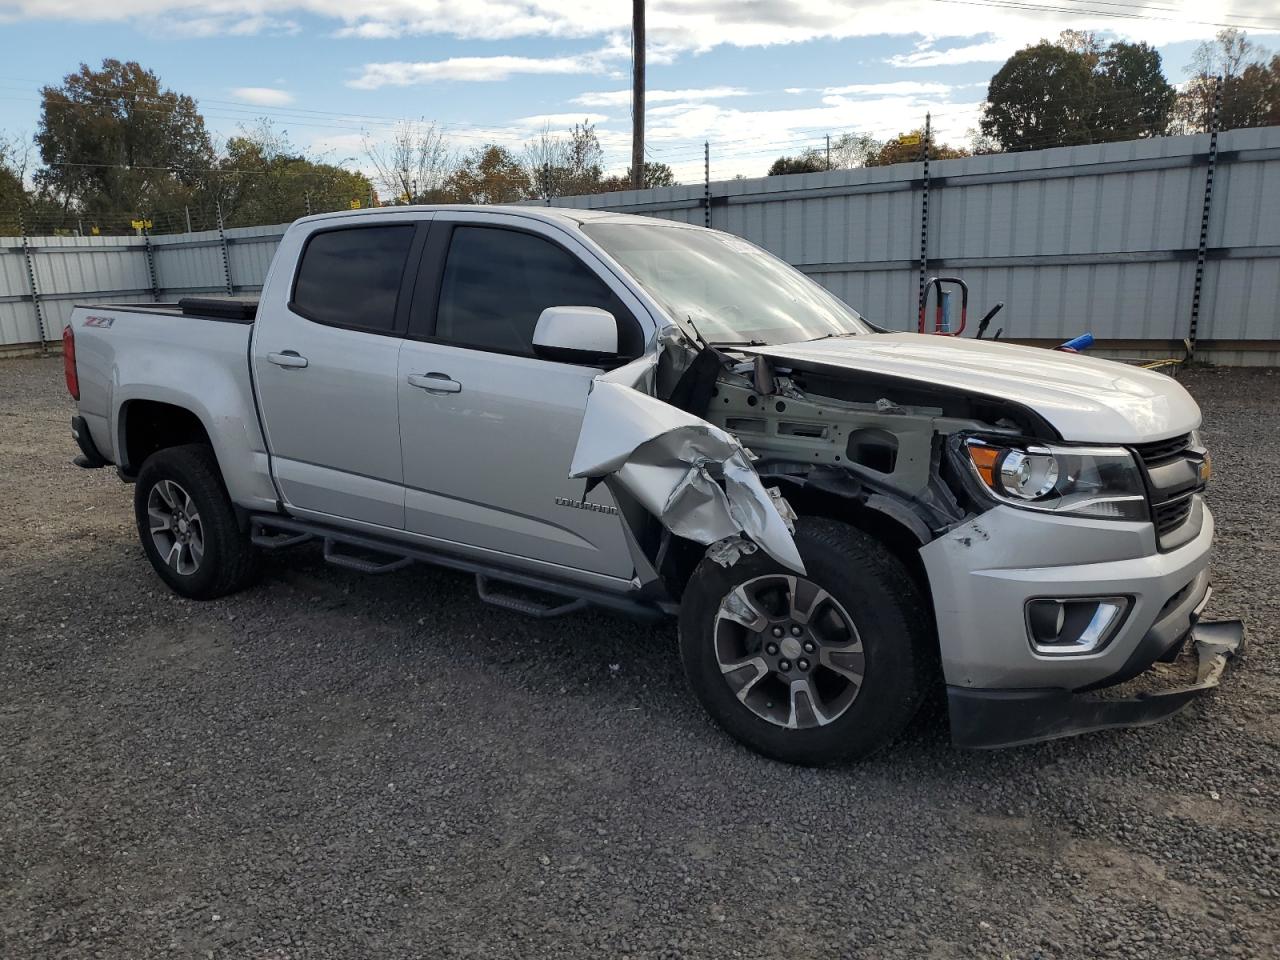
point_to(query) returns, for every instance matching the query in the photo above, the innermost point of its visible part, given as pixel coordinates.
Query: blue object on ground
(1082, 342)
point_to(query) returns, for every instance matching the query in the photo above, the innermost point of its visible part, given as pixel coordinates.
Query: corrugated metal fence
(1117, 239)
(42, 278)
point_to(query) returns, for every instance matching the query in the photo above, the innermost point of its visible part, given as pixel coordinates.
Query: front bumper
(1001, 691)
(988, 719)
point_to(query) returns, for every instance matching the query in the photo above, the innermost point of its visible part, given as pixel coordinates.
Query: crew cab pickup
(583, 408)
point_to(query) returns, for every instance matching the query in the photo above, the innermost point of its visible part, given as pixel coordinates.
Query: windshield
(731, 290)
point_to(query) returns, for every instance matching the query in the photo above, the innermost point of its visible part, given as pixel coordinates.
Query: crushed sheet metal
(666, 459)
(729, 551)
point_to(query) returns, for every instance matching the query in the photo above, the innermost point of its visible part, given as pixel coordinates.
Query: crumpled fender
(694, 477)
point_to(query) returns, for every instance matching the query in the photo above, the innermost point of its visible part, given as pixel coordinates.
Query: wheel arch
(145, 425)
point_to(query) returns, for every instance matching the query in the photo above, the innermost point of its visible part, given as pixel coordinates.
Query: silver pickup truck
(585, 408)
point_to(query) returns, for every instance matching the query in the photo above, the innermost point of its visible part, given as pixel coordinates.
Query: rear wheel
(187, 525)
(811, 669)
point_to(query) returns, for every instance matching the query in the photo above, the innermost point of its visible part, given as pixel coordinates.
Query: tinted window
(351, 278)
(497, 282)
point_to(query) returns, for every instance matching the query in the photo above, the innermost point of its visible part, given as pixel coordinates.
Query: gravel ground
(336, 766)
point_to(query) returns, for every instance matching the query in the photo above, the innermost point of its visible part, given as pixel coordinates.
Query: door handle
(434, 382)
(289, 358)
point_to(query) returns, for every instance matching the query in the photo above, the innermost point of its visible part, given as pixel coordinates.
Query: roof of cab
(536, 212)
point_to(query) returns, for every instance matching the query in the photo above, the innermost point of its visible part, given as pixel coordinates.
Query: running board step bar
(530, 608)
(259, 537)
(361, 564)
(274, 531)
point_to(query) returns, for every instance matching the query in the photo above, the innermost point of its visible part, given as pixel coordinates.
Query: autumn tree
(488, 174)
(115, 141)
(1250, 85)
(909, 148)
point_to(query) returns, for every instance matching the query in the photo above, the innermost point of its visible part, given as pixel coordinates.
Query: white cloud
(263, 96)
(487, 69)
(991, 51)
(691, 25)
(559, 120)
(220, 25)
(619, 98)
(893, 88)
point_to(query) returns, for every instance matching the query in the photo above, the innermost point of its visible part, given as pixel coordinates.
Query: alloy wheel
(176, 529)
(789, 651)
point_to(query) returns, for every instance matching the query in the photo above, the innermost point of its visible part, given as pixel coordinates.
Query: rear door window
(351, 277)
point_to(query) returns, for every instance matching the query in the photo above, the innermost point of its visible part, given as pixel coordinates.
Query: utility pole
(637, 94)
(828, 151)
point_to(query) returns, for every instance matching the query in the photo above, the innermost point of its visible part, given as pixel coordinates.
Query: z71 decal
(99, 321)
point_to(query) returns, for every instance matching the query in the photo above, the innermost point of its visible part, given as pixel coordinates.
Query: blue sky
(756, 78)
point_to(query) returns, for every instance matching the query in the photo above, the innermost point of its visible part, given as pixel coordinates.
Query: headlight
(1082, 481)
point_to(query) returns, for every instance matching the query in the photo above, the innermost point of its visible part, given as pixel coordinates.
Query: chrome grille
(1172, 470)
(1172, 514)
(1162, 451)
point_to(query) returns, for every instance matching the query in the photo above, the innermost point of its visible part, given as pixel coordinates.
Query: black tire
(229, 561)
(891, 620)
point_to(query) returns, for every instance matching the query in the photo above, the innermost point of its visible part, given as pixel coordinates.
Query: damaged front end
(721, 448)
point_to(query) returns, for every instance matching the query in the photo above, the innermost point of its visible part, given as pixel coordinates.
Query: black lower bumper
(89, 455)
(1006, 718)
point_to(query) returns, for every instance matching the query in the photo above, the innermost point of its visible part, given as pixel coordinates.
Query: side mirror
(576, 335)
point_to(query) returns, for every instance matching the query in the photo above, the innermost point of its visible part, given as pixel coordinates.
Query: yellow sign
(140, 224)
(909, 139)
(355, 204)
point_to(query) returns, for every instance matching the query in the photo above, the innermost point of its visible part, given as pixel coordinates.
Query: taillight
(69, 361)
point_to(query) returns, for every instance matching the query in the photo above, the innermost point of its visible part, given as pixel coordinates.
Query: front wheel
(810, 669)
(187, 525)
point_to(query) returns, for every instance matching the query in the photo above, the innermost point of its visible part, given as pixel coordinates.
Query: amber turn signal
(984, 459)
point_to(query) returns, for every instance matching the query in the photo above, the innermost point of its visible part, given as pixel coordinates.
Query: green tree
(265, 179)
(114, 141)
(1133, 98)
(488, 174)
(654, 175)
(811, 161)
(14, 199)
(1042, 96)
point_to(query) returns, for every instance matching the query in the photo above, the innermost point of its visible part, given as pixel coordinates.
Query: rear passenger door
(325, 366)
(488, 429)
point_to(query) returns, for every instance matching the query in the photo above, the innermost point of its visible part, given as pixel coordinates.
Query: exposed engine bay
(724, 445)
